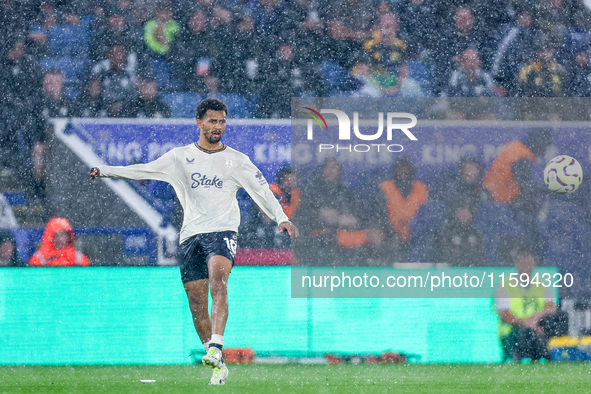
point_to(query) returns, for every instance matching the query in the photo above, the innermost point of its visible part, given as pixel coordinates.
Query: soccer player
(206, 176)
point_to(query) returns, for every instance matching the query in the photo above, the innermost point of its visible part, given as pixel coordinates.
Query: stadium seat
(86, 21)
(161, 71)
(72, 67)
(72, 90)
(238, 105)
(333, 74)
(66, 40)
(182, 105)
(420, 73)
(430, 216)
(575, 41)
(495, 220)
(26, 241)
(15, 199)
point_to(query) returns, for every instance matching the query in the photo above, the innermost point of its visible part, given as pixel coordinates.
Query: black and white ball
(563, 174)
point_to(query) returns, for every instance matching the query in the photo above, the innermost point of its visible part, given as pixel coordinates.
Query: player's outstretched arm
(290, 228)
(159, 169)
(253, 181)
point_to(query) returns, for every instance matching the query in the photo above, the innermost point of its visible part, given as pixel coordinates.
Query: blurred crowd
(473, 216)
(114, 58)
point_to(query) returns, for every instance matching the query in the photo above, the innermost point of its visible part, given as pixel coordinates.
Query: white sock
(206, 346)
(218, 339)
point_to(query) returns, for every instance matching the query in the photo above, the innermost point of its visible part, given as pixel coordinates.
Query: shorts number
(231, 245)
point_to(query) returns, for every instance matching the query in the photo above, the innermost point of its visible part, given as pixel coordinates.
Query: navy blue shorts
(196, 251)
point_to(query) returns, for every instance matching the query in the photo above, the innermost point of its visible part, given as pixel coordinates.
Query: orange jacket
(402, 209)
(288, 208)
(49, 256)
(500, 180)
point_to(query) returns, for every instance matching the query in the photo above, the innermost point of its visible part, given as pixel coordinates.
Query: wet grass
(295, 378)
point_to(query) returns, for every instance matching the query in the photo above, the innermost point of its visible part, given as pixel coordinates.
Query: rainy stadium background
(129, 307)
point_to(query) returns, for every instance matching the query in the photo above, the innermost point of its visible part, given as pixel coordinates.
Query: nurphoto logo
(393, 122)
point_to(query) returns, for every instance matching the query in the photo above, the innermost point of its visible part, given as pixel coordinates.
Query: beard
(214, 139)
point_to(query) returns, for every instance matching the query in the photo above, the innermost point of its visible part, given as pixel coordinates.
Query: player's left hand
(290, 228)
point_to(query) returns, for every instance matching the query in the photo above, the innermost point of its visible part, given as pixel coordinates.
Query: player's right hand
(94, 172)
(290, 228)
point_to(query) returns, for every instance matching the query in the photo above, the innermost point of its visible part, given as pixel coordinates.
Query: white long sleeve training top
(206, 183)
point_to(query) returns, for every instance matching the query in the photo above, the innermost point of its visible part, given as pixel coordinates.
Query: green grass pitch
(295, 378)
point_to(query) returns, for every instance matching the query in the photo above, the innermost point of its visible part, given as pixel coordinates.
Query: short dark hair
(54, 71)
(210, 104)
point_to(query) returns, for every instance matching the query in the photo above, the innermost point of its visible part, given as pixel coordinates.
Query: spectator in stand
(7, 219)
(579, 81)
(396, 204)
(160, 32)
(509, 180)
(15, 19)
(134, 19)
(524, 312)
(351, 23)
(542, 76)
(149, 103)
(90, 103)
(458, 241)
(417, 23)
(514, 47)
(8, 255)
(238, 58)
(189, 7)
(329, 216)
(269, 19)
(284, 188)
(118, 75)
(22, 133)
(468, 185)
(469, 79)
(115, 29)
(53, 13)
(21, 75)
(555, 17)
(212, 85)
(57, 247)
(282, 78)
(385, 52)
(49, 14)
(311, 40)
(54, 102)
(385, 48)
(453, 41)
(190, 52)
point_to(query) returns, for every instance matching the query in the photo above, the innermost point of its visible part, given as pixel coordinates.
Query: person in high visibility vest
(398, 200)
(330, 220)
(57, 247)
(524, 311)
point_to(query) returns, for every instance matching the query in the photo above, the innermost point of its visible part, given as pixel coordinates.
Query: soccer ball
(563, 174)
